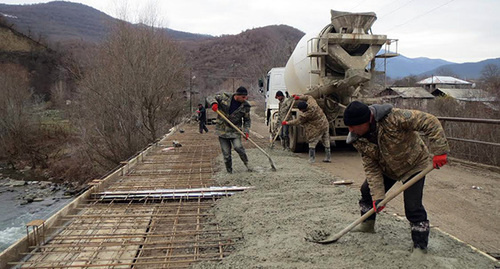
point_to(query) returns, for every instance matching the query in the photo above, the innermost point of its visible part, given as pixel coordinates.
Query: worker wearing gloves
(236, 108)
(284, 106)
(392, 150)
(315, 124)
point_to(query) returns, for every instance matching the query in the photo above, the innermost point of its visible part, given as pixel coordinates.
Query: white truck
(334, 66)
(275, 82)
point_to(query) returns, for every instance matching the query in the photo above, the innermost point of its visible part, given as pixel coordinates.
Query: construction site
(172, 207)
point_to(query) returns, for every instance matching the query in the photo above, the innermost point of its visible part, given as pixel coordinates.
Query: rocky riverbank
(23, 200)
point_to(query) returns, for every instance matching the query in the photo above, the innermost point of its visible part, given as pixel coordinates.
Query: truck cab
(275, 81)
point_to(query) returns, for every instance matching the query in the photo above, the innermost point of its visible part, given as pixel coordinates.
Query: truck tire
(293, 134)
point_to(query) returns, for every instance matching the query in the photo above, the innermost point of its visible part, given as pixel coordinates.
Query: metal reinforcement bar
(127, 220)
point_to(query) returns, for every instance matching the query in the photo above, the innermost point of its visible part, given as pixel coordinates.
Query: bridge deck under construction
(155, 214)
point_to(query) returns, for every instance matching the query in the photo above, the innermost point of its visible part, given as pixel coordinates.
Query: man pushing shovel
(237, 109)
(391, 149)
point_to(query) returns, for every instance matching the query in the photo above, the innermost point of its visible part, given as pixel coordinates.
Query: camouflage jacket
(400, 152)
(240, 117)
(284, 106)
(313, 119)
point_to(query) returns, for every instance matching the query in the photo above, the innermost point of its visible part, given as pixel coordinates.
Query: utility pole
(191, 78)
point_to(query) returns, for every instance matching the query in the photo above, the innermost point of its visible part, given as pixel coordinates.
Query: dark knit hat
(356, 113)
(302, 106)
(241, 91)
(279, 93)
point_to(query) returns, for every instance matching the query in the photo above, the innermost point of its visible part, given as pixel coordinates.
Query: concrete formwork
(152, 212)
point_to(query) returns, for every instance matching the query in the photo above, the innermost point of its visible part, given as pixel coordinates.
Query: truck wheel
(293, 135)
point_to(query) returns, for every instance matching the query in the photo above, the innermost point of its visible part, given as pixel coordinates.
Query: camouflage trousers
(324, 138)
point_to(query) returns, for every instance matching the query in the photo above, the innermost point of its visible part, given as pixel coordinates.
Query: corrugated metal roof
(476, 95)
(412, 92)
(443, 80)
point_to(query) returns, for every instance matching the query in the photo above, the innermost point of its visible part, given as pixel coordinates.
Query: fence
(472, 139)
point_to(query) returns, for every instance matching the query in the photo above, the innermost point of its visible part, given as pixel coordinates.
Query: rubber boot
(312, 155)
(229, 167)
(248, 168)
(282, 140)
(287, 143)
(367, 226)
(420, 235)
(328, 156)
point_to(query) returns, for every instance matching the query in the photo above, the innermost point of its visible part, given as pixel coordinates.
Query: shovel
(281, 126)
(333, 238)
(255, 144)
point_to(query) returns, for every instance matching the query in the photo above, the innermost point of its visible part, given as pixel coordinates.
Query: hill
(238, 58)
(63, 22)
(241, 59)
(465, 70)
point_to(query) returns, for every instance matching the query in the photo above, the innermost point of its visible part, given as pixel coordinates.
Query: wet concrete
(285, 206)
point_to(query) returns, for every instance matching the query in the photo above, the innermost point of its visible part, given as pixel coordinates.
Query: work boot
(312, 155)
(368, 226)
(328, 155)
(420, 235)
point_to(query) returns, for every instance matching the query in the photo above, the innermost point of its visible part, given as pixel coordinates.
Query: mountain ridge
(61, 22)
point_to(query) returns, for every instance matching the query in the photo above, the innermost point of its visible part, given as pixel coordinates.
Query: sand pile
(272, 220)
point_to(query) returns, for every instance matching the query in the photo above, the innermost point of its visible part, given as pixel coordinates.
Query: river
(21, 203)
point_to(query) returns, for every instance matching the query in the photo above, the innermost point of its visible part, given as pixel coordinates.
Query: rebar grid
(146, 232)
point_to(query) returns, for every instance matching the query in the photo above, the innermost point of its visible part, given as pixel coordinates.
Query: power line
(397, 8)
(359, 4)
(420, 15)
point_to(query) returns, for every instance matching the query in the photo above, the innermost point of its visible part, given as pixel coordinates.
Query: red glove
(284, 122)
(197, 111)
(439, 160)
(246, 136)
(296, 97)
(215, 107)
(376, 207)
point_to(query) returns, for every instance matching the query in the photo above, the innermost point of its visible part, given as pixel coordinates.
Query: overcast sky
(453, 30)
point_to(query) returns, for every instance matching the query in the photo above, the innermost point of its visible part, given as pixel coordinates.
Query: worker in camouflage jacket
(391, 149)
(315, 124)
(237, 109)
(283, 107)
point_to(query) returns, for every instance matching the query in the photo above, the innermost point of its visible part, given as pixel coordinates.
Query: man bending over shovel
(315, 123)
(392, 150)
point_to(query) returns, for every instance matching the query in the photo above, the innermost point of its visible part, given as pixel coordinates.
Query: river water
(16, 211)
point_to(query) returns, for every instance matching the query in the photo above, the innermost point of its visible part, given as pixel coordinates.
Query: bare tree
(132, 94)
(445, 71)
(19, 128)
(490, 78)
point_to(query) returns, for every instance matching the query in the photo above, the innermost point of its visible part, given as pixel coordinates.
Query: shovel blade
(321, 237)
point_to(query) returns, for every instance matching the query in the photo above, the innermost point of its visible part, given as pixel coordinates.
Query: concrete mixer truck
(335, 67)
